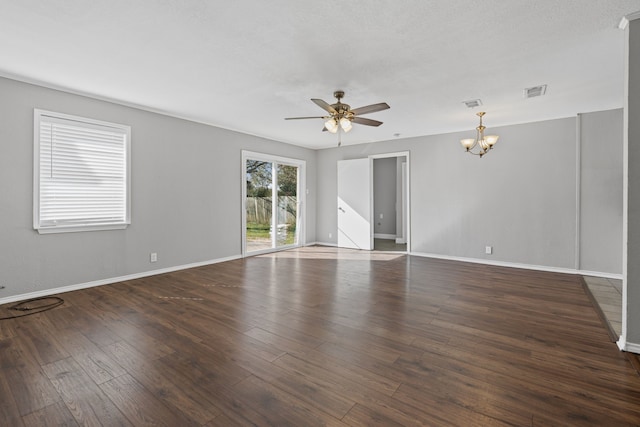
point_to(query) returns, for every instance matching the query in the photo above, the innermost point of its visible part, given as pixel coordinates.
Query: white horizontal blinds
(83, 173)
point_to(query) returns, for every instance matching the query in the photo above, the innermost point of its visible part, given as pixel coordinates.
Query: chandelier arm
(481, 152)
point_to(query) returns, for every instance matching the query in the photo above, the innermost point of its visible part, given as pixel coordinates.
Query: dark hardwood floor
(320, 336)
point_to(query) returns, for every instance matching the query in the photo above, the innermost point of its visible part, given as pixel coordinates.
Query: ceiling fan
(341, 116)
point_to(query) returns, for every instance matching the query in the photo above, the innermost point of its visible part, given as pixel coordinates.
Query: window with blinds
(81, 174)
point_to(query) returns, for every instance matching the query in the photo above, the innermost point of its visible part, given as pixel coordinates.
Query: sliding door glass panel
(273, 203)
(259, 205)
(286, 222)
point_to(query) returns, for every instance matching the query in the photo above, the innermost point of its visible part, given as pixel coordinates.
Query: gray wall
(520, 198)
(186, 195)
(631, 299)
(601, 191)
(384, 195)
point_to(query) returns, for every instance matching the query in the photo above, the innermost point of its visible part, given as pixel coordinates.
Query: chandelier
(482, 142)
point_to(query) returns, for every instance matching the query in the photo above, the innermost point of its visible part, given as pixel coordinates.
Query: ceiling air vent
(532, 92)
(473, 103)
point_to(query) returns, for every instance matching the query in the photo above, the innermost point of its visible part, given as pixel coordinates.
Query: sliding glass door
(258, 205)
(272, 202)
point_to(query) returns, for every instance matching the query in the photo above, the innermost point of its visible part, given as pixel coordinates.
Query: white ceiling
(247, 64)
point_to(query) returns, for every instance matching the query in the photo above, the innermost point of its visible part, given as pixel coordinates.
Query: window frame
(41, 115)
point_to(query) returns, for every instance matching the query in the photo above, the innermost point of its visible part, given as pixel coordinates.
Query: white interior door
(354, 204)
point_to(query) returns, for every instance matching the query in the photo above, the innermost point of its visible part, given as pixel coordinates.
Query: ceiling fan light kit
(481, 142)
(341, 117)
(345, 124)
(331, 125)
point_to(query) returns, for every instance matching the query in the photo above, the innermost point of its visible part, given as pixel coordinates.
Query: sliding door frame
(301, 192)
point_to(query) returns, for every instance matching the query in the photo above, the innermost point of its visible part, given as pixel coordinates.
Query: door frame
(302, 192)
(407, 183)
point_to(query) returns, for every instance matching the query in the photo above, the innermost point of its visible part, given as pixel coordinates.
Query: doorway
(273, 208)
(390, 202)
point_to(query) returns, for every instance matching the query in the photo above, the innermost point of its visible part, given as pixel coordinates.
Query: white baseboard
(63, 289)
(600, 274)
(335, 245)
(628, 346)
(496, 263)
(523, 266)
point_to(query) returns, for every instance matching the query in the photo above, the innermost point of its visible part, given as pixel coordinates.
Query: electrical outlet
(381, 216)
(330, 235)
(153, 257)
(488, 250)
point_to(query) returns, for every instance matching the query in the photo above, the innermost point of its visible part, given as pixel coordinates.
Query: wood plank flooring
(320, 336)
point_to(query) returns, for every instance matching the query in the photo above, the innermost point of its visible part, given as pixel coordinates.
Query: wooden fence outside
(259, 209)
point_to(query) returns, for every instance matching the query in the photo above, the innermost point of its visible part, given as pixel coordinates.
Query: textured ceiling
(247, 64)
